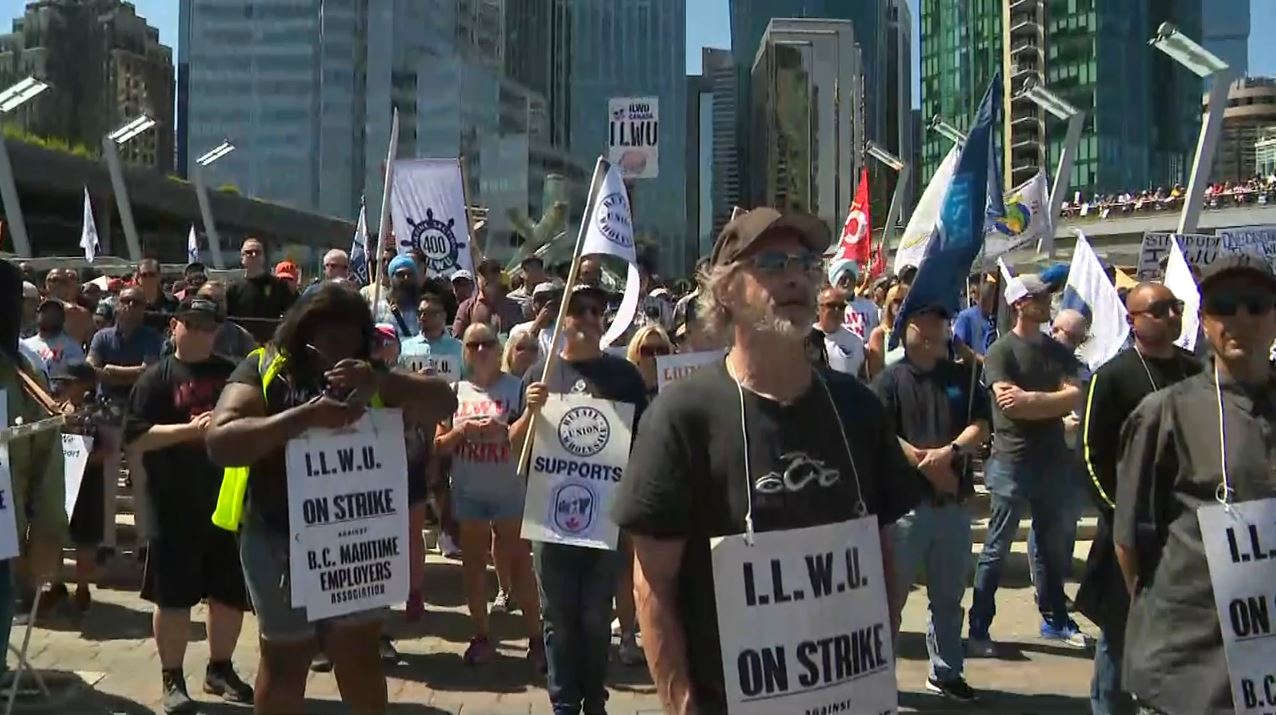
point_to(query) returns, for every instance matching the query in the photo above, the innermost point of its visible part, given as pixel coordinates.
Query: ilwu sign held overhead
(633, 136)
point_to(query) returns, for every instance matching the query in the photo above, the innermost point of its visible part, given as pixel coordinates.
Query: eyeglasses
(1162, 309)
(1255, 302)
(148, 274)
(654, 350)
(526, 348)
(833, 306)
(250, 252)
(478, 344)
(779, 261)
(577, 310)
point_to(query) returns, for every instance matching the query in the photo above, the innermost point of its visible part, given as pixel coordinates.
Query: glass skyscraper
(636, 48)
(1225, 28)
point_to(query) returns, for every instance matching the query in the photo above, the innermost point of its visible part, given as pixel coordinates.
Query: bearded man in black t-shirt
(819, 445)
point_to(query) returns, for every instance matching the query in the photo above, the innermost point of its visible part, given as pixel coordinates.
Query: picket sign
(1240, 547)
(348, 516)
(578, 458)
(672, 368)
(8, 518)
(76, 449)
(415, 359)
(803, 620)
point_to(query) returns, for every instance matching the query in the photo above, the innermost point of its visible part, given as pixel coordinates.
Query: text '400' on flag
(427, 210)
(611, 232)
(958, 236)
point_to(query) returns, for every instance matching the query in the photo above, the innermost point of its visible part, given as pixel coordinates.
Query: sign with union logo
(633, 136)
(579, 454)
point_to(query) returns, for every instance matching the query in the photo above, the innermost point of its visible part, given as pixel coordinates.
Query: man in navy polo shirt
(118, 355)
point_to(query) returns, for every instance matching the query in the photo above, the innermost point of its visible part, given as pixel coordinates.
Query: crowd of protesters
(196, 375)
(1255, 191)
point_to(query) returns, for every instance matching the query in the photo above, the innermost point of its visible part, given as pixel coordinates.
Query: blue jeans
(576, 586)
(937, 538)
(1073, 503)
(1106, 695)
(1049, 513)
(8, 594)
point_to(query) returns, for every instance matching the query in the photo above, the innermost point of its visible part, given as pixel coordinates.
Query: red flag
(879, 261)
(857, 234)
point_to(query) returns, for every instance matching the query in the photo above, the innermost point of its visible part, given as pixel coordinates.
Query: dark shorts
(87, 519)
(184, 569)
(417, 492)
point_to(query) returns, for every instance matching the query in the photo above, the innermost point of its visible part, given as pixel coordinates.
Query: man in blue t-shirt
(976, 326)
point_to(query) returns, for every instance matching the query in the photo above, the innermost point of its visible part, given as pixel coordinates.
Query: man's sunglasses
(1227, 304)
(1162, 309)
(833, 306)
(577, 310)
(779, 261)
(476, 344)
(654, 350)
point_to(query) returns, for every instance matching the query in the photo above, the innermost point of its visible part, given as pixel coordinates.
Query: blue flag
(972, 198)
(359, 248)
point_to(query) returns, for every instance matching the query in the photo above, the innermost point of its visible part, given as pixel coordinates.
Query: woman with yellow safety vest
(316, 372)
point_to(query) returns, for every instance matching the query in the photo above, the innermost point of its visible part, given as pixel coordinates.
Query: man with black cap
(189, 559)
(1034, 382)
(746, 446)
(942, 418)
(1206, 439)
(577, 583)
(57, 349)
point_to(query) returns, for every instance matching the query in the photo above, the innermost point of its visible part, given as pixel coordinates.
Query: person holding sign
(189, 559)
(1205, 440)
(577, 583)
(487, 495)
(315, 373)
(432, 348)
(760, 455)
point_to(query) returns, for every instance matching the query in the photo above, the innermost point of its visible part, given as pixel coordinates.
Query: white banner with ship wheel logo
(427, 209)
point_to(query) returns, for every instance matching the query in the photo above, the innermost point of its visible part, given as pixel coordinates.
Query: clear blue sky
(709, 25)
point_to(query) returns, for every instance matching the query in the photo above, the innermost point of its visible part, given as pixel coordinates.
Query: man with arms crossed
(686, 483)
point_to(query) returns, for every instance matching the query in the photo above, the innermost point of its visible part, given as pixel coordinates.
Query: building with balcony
(805, 137)
(105, 65)
(1024, 126)
(1250, 115)
(1265, 153)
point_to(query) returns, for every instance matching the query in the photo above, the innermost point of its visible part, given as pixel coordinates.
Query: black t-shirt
(268, 480)
(181, 480)
(160, 312)
(931, 407)
(686, 480)
(607, 377)
(257, 304)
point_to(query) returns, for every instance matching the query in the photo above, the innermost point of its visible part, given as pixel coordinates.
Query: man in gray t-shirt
(1033, 383)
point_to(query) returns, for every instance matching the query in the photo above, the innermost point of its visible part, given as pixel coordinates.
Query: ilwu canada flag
(427, 210)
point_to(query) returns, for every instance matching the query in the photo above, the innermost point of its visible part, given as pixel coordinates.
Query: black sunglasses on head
(654, 350)
(1255, 302)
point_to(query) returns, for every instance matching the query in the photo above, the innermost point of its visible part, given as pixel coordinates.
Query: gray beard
(782, 327)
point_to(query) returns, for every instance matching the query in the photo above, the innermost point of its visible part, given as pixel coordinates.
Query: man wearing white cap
(1033, 382)
(544, 308)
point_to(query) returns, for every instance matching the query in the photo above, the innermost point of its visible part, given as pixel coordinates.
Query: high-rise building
(1142, 109)
(699, 133)
(1250, 113)
(806, 103)
(899, 100)
(718, 67)
(105, 65)
(538, 44)
(636, 48)
(1225, 28)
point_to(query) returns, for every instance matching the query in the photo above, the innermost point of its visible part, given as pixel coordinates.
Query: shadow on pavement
(446, 671)
(109, 621)
(102, 704)
(997, 702)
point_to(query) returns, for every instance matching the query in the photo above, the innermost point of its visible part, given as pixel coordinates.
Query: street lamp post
(901, 169)
(205, 206)
(11, 99)
(1075, 118)
(1185, 51)
(946, 130)
(110, 142)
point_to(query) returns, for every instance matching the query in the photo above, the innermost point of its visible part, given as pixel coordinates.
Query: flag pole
(476, 253)
(600, 171)
(383, 224)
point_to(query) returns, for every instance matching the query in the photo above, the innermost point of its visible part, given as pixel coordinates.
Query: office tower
(718, 67)
(1225, 28)
(105, 66)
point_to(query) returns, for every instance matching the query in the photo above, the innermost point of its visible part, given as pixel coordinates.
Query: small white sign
(348, 514)
(416, 359)
(672, 368)
(1240, 547)
(579, 454)
(633, 136)
(8, 517)
(76, 449)
(803, 621)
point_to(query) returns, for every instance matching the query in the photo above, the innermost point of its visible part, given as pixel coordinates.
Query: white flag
(921, 225)
(1006, 275)
(611, 232)
(427, 209)
(192, 246)
(1089, 290)
(1178, 278)
(1027, 218)
(88, 231)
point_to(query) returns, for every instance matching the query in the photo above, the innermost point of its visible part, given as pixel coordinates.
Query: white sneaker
(615, 627)
(630, 652)
(448, 547)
